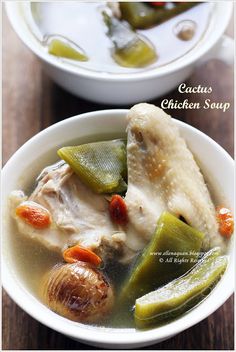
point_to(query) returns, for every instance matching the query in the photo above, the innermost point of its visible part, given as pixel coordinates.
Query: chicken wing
(163, 176)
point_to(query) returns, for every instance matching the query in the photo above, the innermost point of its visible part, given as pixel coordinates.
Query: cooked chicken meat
(163, 176)
(78, 214)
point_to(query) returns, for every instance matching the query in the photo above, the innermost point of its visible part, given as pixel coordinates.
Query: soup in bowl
(120, 56)
(126, 231)
(120, 37)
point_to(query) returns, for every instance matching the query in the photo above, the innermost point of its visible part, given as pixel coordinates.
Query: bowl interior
(41, 151)
(221, 12)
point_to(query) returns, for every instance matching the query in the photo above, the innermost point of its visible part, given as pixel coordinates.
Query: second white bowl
(126, 88)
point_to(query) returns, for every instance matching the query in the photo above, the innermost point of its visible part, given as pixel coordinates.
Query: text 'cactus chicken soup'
(124, 232)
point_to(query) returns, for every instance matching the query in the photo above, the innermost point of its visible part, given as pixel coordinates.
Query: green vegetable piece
(63, 48)
(173, 250)
(140, 15)
(100, 165)
(130, 49)
(183, 293)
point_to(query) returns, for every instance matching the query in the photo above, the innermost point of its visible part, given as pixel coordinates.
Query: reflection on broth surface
(70, 20)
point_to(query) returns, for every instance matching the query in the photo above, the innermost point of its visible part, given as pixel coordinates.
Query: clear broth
(82, 23)
(28, 253)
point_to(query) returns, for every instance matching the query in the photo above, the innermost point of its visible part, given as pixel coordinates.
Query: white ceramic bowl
(41, 150)
(128, 88)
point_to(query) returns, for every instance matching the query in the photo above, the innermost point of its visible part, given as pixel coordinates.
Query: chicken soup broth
(100, 37)
(30, 254)
(122, 232)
